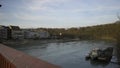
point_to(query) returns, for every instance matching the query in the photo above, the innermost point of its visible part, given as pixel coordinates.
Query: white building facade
(36, 35)
(17, 34)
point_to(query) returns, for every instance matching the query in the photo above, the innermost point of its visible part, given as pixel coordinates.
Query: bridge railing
(12, 58)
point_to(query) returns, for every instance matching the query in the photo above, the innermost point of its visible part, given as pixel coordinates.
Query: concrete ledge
(22, 60)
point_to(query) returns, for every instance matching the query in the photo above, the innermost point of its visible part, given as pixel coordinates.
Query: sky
(58, 13)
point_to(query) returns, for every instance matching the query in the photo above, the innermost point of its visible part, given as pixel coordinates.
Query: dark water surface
(67, 54)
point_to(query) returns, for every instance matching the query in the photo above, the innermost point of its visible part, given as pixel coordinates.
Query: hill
(106, 31)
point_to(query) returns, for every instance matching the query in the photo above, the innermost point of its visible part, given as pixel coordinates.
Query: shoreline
(25, 41)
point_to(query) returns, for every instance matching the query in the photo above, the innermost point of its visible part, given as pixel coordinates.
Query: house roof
(14, 27)
(3, 27)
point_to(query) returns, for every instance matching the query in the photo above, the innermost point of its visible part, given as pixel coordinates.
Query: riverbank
(27, 41)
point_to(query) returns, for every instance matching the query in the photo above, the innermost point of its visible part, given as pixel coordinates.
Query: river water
(67, 54)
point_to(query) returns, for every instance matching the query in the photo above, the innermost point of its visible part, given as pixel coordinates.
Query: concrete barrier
(12, 58)
(4, 63)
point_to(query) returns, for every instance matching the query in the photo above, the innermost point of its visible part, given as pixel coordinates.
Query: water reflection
(99, 63)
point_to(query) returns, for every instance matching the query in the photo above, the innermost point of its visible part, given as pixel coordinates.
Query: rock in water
(99, 54)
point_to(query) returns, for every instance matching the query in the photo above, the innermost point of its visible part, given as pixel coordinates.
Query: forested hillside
(105, 31)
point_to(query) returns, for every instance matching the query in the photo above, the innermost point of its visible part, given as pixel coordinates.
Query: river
(67, 54)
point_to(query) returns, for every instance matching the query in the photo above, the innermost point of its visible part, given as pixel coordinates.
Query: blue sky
(58, 13)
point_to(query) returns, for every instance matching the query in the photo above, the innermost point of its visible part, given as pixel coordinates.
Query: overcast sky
(58, 13)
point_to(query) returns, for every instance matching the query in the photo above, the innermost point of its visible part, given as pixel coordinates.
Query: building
(36, 34)
(16, 32)
(43, 34)
(5, 32)
(31, 35)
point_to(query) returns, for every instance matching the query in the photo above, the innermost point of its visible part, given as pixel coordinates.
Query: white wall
(17, 34)
(39, 35)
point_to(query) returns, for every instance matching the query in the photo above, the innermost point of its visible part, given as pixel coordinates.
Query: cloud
(96, 9)
(42, 4)
(1, 15)
(31, 17)
(4, 16)
(59, 12)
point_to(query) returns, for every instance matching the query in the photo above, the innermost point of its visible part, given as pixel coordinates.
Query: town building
(31, 35)
(36, 34)
(43, 34)
(5, 32)
(16, 32)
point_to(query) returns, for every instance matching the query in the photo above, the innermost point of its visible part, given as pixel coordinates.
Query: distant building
(43, 34)
(5, 32)
(30, 35)
(16, 32)
(36, 34)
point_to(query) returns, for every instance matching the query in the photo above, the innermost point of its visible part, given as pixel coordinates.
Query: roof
(14, 27)
(4, 27)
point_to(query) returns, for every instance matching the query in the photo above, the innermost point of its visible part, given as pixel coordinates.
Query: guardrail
(12, 58)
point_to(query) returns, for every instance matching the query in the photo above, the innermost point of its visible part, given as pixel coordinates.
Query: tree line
(105, 32)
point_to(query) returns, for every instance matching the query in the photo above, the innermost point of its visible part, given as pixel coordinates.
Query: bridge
(12, 58)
